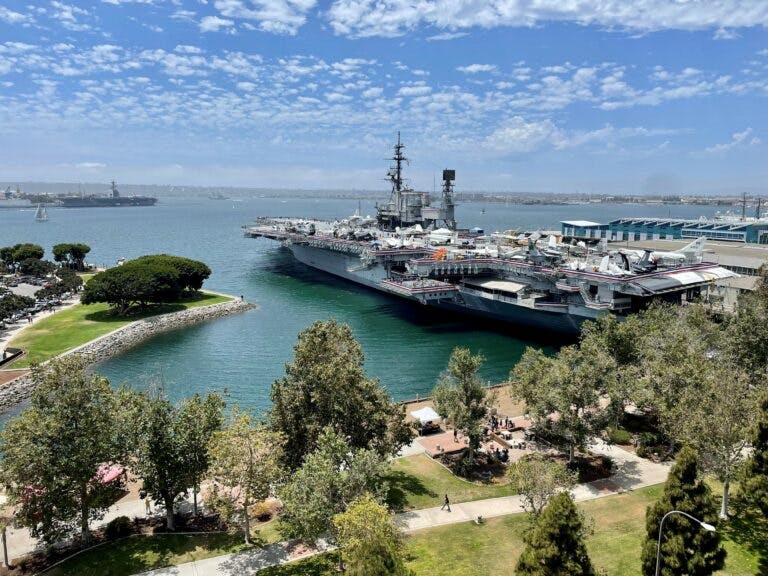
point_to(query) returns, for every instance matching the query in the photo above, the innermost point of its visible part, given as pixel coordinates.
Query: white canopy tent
(426, 414)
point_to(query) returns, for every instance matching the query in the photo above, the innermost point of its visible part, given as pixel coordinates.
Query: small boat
(42, 214)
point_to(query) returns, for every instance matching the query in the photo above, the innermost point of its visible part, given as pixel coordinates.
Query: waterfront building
(747, 231)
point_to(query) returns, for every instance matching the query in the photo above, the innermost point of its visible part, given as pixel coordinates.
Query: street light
(707, 527)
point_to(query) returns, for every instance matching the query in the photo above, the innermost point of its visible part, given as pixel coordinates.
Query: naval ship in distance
(414, 251)
(114, 199)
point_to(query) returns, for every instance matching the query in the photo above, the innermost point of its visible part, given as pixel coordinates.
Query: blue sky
(604, 96)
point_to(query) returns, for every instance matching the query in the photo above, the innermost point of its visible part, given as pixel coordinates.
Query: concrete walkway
(631, 473)
(242, 562)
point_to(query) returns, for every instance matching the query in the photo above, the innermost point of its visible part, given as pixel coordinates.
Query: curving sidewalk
(632, 472)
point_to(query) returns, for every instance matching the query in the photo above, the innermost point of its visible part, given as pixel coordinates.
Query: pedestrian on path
(446, 504)
(147, 506)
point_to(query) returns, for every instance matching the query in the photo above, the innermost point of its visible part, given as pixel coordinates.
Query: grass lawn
(74, 326)
(420, 482)
(619, 529)
(142, 553)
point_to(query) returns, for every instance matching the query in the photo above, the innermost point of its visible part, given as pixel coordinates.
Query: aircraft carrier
(415, 251)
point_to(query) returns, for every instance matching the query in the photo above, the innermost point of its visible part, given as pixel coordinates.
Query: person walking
(147, 506)
(446, 504)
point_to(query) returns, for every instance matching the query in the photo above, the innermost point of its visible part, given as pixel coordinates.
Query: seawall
(124, 338)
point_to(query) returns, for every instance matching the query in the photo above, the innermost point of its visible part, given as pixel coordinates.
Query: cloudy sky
(548, 95)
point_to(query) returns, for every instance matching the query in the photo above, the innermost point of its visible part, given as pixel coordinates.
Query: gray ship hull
(350, 268)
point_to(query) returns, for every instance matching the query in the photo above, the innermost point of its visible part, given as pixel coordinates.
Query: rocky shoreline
(124, 338)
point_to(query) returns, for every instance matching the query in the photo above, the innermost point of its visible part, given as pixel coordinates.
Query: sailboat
(42, 214)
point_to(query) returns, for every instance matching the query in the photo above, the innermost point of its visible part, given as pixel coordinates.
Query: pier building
(746, 231)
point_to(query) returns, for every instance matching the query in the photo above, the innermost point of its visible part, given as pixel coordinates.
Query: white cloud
(447, 36)
(361, 18)
(90, 165)
(246, 86)
(11, 17)
(725, 34)
(187, 49)
(372, 93)
(214, 24)
(68, 16)
(414, 91)
(738, 140)
(517, 135)
(477, 68)
(276, 16)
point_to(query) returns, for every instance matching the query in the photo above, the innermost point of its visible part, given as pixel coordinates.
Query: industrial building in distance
(748, 230)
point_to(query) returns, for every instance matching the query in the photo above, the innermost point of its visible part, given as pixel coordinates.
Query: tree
(11, 303)
(245, 462)
(325, 385)
(686, 548)
(160, 459)
(199, 419)
(537, 480)
(460, 396)
(369, 541)
(36, 268)
(717, 421)
(756, 477)
(73, 255)
(23, 252)
(53, 452)
(133, 284)
(563, 394)
(192, 273)
(331, 477)
(555, 546)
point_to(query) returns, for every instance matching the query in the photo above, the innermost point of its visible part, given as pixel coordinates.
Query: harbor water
(406, 346)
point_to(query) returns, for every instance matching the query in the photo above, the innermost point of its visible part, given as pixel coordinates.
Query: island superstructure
(415, 251)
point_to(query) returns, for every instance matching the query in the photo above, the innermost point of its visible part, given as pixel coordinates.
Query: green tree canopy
(555, 546)
(716, 418)
(326, 385)
(52, 452)
(160, 456)
(562, 394)
(35, 267)
(460, 396)
(756, 477)
(23, 252)
(192, 273)
(72, 255)
(537, 479)
(686, 548)
(245, 463)
(371, 544)
(329, 480)
(143, 281)
(199, 418)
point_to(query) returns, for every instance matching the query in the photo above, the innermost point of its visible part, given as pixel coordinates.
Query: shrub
(118, 528)
(262, 511)
(619, 436)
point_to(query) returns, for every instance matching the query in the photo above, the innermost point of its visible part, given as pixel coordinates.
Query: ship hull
(347, 267)
(107, 202)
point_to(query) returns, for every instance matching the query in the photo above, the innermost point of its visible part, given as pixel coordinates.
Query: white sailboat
(42, 214)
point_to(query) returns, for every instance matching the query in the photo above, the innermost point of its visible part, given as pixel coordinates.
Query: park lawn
(619, 529)
(420, 482)
(82, 323)
(142, 553)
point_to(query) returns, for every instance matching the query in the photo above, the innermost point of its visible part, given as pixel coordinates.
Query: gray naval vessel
(414, 250)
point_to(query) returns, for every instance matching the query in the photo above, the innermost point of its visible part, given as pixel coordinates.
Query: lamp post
(707, 527)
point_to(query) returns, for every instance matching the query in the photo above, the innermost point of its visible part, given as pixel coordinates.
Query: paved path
(242, 562)
(631, 473)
